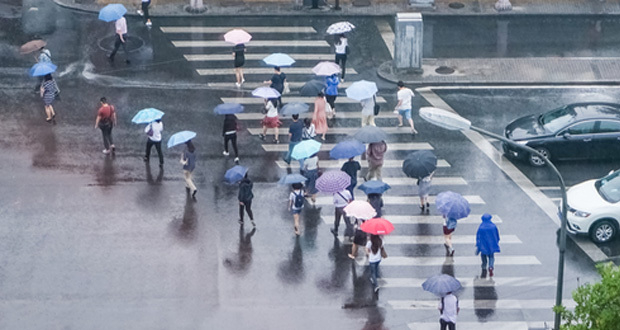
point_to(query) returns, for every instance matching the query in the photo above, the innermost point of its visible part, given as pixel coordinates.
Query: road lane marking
(264, 71)
(339, 114)
(258, 57)
(282, 147)
(386, 34)
(293, 85)
(438, 239)
(289, 99)
(337, 164)
(398, 200)
(481, 304)
(341, 130)
(473, 219)
(471, 282)
(256, 43)
(249, 29)
(457, 261)
(506, 325)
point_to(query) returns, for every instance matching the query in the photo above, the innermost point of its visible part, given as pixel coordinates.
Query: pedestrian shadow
(485, 298)
(336, 282)
(291, 271)
(150, 196)
(240, 263)
(448, 266)
(149, 175)
(311, 219)
(46, 156)
(185, 227)
(106, 175)
(365, 298)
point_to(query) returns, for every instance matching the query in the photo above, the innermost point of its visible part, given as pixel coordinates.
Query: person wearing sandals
(245, 199)
(403, 108)
(359, 238)
(319, 118)
(311, 171)
(424, 187)
(229, 132)
(376, 252)
(296, 204)
(48, 91)
(271, 119)
(106, 119)
(239, 55)
(331, 92)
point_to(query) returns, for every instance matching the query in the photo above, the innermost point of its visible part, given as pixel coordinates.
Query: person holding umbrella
(487, 244)
(424, 187)
(351, 167)
(120, 26)
(341, 200)
(48, 91)
(153, 132)
(45, 56)
(188, 160)
(239, 55)
(277, 82)
(319, 118)
(421, 165)
(374, 154)
(331, 92)
(245, 199)
(449, 309)
(341, 50)
(375, 252)
(368, 112)
(452, 206)
(295, 132)
(271, 119)
(311, 171)
(106, 119)
(229, 131)
(296, 204)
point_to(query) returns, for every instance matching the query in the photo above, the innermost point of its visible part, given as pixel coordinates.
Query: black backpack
(299, 200)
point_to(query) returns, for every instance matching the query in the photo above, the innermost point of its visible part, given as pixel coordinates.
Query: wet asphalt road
(95, 242)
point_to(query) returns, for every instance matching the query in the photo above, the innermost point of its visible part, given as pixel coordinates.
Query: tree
(598, 304)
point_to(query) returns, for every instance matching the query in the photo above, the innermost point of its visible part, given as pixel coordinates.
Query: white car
(594, 208)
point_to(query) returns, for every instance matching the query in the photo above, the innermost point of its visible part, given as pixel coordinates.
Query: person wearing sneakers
(121, 39)
(145, 12)
(424, 188)
(448, 228)
(239, 55)
(106, 119)
(188, 160)
(153, 131)
(341, 200)
(230, 134)
(376, 252)
(245, 199)
(271, 120)
(403, 108)
(296, 201)
(487, 244)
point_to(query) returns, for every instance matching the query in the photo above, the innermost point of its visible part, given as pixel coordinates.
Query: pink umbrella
(360, 210)
(326, 68)
(237, 36)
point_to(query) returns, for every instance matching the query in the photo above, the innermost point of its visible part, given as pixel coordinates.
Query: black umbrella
(312, 88)
(420, 164)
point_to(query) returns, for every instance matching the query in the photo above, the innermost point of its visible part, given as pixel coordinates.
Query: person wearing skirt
(271, 120)
(319, 118)
(239, 55)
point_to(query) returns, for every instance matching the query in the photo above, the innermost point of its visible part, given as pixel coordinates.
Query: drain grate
(456, 5)
(444, 70)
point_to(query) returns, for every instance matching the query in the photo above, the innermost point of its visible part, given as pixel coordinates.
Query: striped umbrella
(333, 181)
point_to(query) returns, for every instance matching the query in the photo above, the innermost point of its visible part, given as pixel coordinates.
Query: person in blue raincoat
(487, 243)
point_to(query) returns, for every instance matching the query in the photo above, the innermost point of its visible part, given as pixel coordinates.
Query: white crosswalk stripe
(339, 114)
(481, 304)
(508, 325)
(282, 147)
(249, 29)
(474, 219)
(439, 240)
(293, 85)
(339, 130)
(397, 200)
(262, 71)
(302, 99)
(259, 56)
(457, 261)
(496, 281)
(254, 44)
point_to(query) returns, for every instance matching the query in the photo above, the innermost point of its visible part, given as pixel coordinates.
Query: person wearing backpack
(245, 199)
(296, 204)
(342, 199)
(153, 131)
(106, 119)
(449, 309)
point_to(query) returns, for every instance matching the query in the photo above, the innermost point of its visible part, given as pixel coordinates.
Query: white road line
(398, 200)
(258, 57)
(481, 304)
(473, 219)
(459, 87)
(458, 261)
(439, 239)
(257, 43)
(341, 130)
(249, 29)
(339, 114)
(336, 164)
(550, 187)
(302, 99)
(470, 282)
(328, 146)
(437, 181)
(386, 34)
(506, 325)
(251, 85)
(264, 71)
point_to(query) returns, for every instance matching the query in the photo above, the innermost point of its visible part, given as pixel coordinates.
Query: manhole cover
(132, 43)
(456, 5)
(444, 70)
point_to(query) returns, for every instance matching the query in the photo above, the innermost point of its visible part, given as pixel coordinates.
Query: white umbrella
(326, 68)
(340, 28)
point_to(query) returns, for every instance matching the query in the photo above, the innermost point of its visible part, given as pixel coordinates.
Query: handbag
(383, 253)
(377, 107)
(150, 131)
(287, 88)
(328, 107)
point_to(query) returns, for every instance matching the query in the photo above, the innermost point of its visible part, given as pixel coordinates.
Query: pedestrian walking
(239, 55)
(351, 167)
(448, 228)
(376, 252)
(120, 26)
(153, 133)
(319, 118)
(43, 56)
(229, 131)
(188, 159)
(277, 82)
(376, 200)
(145, 12)
(368, 112)
(48, 92)
(245, 199)
(342, 50)
(403, 108)
(309, 131)
(449, 309)
(487, 244)
(331, 93)
(295, 132)
(271, 119)
(424, 187)
(106, 120)
(296, 204)
(374, 155)
(359, 237)
(341, 200)
(311, 171)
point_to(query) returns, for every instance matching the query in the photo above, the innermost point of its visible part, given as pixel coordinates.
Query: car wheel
(603, 231)
(535, 160)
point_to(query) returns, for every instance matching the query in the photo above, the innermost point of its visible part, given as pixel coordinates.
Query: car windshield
(558, 119)
(609, 187)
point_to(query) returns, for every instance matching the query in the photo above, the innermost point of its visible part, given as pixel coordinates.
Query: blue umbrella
(452, 205)
(147, 115)
(279, 59)
(228, 108)
(347, 149)
(295, 108)
(112, 12)
(235, 174)
(266, 93)
(312, 87)
(361, 90)
(42, 68)
(441, 285)
(180, 137)
(305, 149)
(370, 134)
(374, 187)
(292, 178)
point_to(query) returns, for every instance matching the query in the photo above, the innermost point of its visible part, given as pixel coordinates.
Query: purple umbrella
(452, 205)
(333, 181)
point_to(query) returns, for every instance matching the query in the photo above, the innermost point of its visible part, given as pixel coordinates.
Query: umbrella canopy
(340, 28)
(374, 187)
(441, 285)
(361, 90)
(333, 182)
(419, 164)
(305, 149)
(237, 36)
(266, 93)
(112, 12)
(295, 108)
(42, 69)
(452, 205)
(312, 88)
(360, 210)
(228, 108)
(180, 138)
(370, 134)
(347, 149)
(326, 68)
(377, 226)
(292, 178)
(147, 115)
(32, 46)
(279, 59)
(235, 174)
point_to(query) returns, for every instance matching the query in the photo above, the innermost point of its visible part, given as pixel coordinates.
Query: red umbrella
(377, 226)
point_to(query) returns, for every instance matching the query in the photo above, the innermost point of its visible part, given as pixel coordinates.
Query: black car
(575, 131)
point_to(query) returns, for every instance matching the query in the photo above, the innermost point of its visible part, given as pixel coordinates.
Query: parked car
(575, 131)
(594, 208)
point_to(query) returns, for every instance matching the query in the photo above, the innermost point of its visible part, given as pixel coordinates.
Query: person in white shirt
(341, 199)
(449, 308)
(375, 251)
(341, 46)
(368, 112)
(310, 169)
(121, 38)
(296, 201)
(403, 108)
(271, 120)
(145, 12)
(153, 131)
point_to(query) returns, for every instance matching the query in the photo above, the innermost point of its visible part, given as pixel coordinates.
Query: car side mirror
(566, 135)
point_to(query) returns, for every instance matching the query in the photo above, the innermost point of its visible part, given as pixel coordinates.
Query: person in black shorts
(239, 55)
